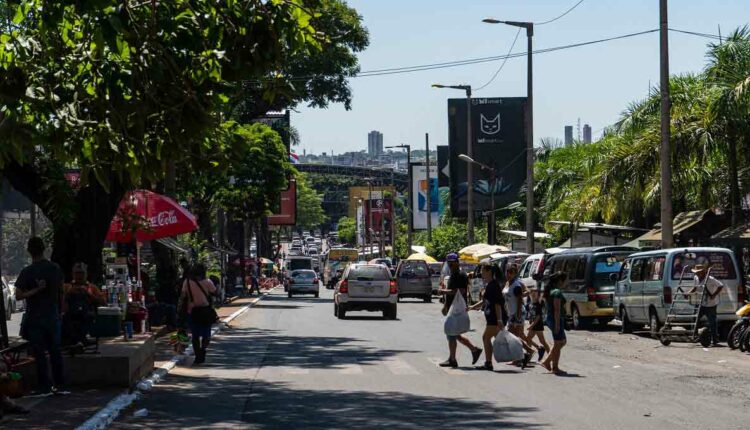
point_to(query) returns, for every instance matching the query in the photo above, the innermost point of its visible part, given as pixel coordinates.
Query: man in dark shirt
(457, 284)
(40, 284)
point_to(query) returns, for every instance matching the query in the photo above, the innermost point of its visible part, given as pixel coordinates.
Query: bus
(338, 258)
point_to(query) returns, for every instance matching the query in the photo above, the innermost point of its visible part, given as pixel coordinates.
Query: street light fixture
(410, 204)
(491, 215)
(470, 151)
(529, 26)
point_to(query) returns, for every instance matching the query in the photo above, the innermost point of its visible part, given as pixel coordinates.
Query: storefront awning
(740, 232)
(682, 222)
(173, 245)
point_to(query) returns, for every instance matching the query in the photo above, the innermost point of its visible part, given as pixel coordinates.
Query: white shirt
(712, 285)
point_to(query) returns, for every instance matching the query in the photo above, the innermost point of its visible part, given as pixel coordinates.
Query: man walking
(457, 284)
(40, 284)
(710, 299)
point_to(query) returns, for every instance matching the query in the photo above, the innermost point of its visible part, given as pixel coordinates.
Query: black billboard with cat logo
(499, 140)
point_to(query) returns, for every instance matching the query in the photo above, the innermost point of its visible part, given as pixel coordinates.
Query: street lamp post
(409, 221)
(529, 26)
(429, 186)
(491, 215)
(470, 152)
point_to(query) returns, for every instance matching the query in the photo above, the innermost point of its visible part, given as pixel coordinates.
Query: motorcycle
(739, 330)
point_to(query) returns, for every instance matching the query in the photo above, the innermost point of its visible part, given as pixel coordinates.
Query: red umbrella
(150, 216)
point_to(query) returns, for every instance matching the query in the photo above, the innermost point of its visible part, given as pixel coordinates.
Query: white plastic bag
(457, 321)
(507, 347)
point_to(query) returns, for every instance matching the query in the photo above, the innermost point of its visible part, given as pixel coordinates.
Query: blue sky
(593, 83)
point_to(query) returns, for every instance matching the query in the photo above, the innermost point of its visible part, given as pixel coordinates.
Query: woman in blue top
(555, 301)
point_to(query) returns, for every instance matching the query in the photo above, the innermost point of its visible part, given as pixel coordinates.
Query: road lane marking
(398, 366)
(349, 366)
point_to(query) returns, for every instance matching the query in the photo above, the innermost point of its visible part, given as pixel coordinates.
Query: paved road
(288, 364)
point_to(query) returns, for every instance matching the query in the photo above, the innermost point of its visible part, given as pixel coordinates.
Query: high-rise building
(568, 135)
(586, 133)
(374, 143)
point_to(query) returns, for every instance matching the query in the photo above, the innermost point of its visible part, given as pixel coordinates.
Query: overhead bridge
(366, 174)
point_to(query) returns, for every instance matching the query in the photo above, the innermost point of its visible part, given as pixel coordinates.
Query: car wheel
(289, 294)
(704, 337)
(391, 312)
(428, 298)
(317, 295)
(576, 319)
(654, 326)
(342, 313)
(335, 310)
(627, 326)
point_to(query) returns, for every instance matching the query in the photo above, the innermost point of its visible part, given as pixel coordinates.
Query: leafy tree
(119, 89)
(347, 230)
(310, 213)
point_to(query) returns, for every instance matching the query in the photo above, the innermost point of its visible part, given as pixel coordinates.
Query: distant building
(568, 135)
(586, 133)
(374, 143)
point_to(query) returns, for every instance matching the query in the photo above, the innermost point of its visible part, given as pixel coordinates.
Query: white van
(648, 281)
(529, 269)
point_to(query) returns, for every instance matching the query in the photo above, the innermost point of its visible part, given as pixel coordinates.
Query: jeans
(710, 313)
(44, 337)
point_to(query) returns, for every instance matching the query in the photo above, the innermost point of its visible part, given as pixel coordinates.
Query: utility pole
(667, 235)
(382, 219)
(393, 215)
(429, 186)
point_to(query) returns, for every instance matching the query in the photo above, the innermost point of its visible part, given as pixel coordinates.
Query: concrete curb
(106, 416)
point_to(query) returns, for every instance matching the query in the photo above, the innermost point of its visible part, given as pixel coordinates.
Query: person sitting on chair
(79, 307)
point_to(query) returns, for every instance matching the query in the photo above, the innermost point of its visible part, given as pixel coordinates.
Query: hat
(452, 256)
(699, 268)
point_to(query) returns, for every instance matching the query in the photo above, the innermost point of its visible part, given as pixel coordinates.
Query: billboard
(419, 196)
(499, 141)
(287, 214)
(382, 216)
(444, 174)
(363, 193)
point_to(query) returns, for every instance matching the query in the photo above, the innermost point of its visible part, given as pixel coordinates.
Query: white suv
(366, 287)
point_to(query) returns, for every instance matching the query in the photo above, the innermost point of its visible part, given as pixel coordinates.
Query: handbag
(203, 315)
(458, 321)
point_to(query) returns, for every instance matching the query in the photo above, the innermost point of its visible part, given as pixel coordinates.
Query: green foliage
(310, 214)
(347, 230)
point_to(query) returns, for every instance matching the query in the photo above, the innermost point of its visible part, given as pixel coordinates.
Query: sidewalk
(70, 411)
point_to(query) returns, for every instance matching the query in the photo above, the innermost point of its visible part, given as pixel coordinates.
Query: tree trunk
(734, 186)
(82, 237)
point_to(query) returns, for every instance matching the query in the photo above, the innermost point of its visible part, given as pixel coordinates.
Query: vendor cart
(683, 315)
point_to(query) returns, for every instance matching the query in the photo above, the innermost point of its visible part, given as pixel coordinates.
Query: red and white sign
(149, 216)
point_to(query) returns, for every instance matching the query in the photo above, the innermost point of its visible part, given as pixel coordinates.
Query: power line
(560, 16)
(503, 64)
(695, 33)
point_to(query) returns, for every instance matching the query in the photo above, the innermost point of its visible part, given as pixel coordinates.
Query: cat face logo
(489, 126)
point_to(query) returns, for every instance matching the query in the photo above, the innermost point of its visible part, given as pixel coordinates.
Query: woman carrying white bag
(457, 321)
(493, 307)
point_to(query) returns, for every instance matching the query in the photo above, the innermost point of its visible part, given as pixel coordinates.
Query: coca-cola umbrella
(145, 215)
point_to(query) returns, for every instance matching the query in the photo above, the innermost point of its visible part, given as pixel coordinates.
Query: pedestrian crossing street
(398, 366)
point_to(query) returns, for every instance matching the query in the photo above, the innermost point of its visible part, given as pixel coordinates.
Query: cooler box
(108, 322)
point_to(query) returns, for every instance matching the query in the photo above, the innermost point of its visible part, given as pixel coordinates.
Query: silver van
(648, 281)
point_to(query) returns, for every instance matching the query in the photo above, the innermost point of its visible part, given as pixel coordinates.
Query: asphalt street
(290, 364)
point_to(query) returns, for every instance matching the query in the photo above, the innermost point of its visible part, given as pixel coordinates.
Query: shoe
(487, 366)
(526, 359)
(541, 351)
(475, 355)
(449, 363)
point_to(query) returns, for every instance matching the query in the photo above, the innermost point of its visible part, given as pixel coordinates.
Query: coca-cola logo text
(163, 218)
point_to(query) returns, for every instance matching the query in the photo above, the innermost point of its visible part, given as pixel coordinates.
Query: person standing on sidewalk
(457, 284)
(513, 293)
(493, 306)
(710, 299)
(555, 300)
(40, 284)
(196, 290)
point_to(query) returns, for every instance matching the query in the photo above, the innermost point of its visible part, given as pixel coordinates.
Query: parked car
(9, 298)
(366, 287)
(531, 269)
(592, 274)
(476, 283)
(436, 270)
(304, 281)
(649, 280)
(414, 280)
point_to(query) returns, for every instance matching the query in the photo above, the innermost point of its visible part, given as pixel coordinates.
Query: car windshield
(303, 274)
(720, 263)
(370, 273)
(604, 267)
(301, 263)
(414, 268)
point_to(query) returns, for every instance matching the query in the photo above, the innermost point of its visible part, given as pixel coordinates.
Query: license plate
(370, 289)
